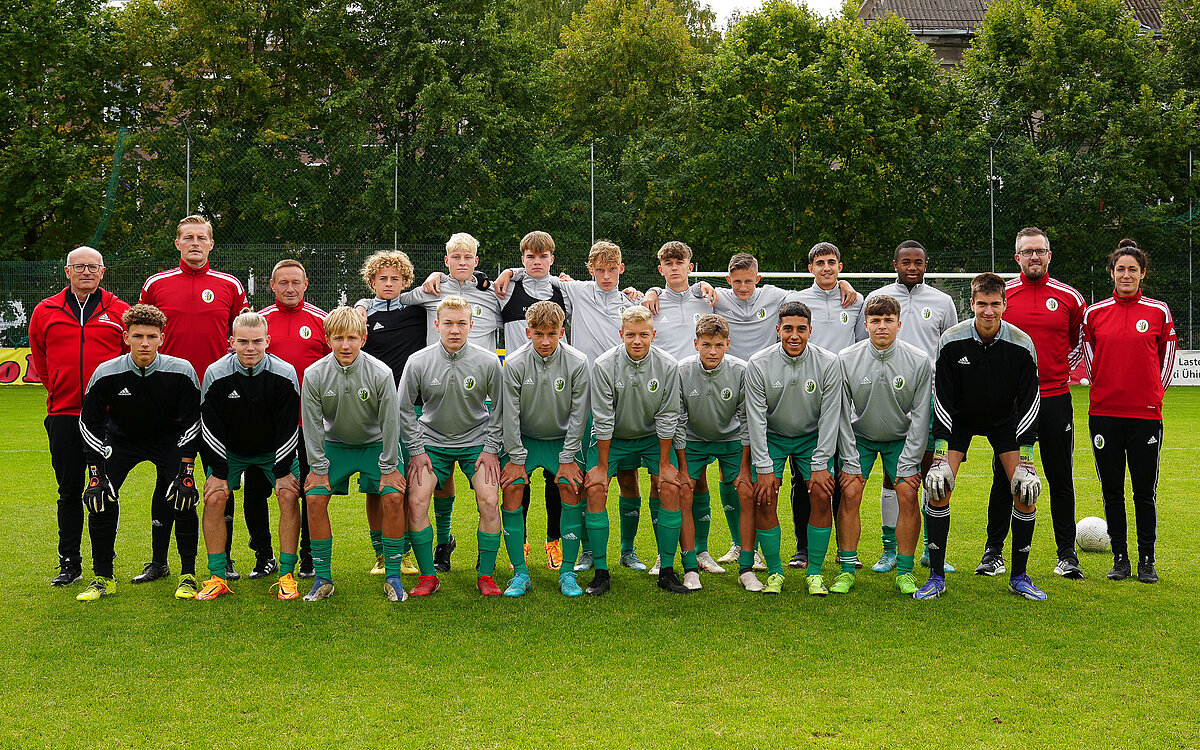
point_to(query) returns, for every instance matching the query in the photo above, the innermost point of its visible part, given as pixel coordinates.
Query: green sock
(669, 524)
(818, 545)
(571, 523)
(904, 564)
(217, 564)
(702, 516)
(322, 555)
(598, 529)
(287, 563)
(442, 507)
(889, 538)
(377, 541)
(732, 505)
(514, 533)
(689, 560)
(846, 559)
(630, 509)
(422, 546)
(768, 541)
(489, 545)
(746, 559)
(393, 555)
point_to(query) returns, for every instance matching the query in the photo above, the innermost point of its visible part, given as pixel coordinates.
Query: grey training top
(676, 320)
(454, 389)
(485, 310)
(925, 314)
(545, 398)
(635, 399)
(713, 402)
(833, 327)
(792, 397)
(885, 397)
(352, 405)
(751, 322)
(595, 316)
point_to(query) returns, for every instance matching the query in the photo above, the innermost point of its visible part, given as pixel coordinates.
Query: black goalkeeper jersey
(141, 406)
(394, 332)
(250, 412)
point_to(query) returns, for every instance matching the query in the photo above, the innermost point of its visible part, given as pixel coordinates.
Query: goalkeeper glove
(99, 490)
(1026, 486)
(182, 493)
(939, 481)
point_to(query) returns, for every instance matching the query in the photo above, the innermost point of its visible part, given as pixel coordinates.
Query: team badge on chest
(305, 332)
(207, 295)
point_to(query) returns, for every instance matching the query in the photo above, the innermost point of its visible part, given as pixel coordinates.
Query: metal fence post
(187, 178)
(1191, 326)
(592, 164)
(395, 195)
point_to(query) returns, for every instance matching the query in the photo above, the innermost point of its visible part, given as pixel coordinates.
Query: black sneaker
(264, 567)
(990, 565)
(668, 581)
(68, 573)
(441, 555)
(600, 584)
(152, 572)
(1068, 568)
(307, 569)
(799, 560)
(1120, 569)
(1146, 573)
(230, 573)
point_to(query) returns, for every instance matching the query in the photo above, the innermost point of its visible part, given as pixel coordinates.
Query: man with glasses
(1051, 312)
(70, 334)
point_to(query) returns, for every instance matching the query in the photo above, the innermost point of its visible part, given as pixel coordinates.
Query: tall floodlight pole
(396, 196)
(187, 175)
(593, 191)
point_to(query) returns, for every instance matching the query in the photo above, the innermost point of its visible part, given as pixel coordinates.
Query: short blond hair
(604, 253)
(674, 250)
(343, 321)
(193, 219)
(288, 263)
(712, 325)
(462, 241)
(453, 302)
(388, 259)
(537, 242)
(545, 314)
(636, 314)
(249, 319)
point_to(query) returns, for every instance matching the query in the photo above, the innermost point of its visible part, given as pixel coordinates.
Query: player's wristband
(940, 448)
(1026, 454)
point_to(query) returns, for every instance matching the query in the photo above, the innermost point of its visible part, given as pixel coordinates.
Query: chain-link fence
(330, 199)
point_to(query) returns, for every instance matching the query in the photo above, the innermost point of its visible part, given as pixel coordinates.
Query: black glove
(99, 490)
(182, 493)
(482, 282)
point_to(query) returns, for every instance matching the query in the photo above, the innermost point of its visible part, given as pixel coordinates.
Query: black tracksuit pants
(70, 470)
(257, 491)
(1121, 441)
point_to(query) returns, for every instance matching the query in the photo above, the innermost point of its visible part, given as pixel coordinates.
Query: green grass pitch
(1100, 664)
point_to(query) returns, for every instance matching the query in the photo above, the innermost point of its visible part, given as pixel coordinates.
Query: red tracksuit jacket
(297, 334)
(67, 352)
(200, 305)
(1052, 314)
(1129, 351)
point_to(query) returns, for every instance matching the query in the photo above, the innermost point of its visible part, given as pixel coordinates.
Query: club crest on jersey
(926, 313)
(207, 295)
(1142, 326)
(810, 386)
(761, 314)
(726, 394)
(560, 384)
(1051, 304)
(653, 385)
(469, 382)
(1098, 441)
(845, 317)
(477, 310)
(363, 394)
(898, 382)
(305, 332)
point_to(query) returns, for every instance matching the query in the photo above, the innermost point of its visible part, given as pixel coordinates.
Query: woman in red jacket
(1129, 348)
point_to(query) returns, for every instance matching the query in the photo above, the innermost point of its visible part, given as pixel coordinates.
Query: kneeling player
(635, 406)
(713, 422)
(885, 387)
(250, 415)
(141, 406)
(546, 407)
(985, 383)
(454, 380)
(352, 426)
(793, 407)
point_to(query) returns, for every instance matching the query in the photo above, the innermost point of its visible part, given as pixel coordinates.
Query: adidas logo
(528, 381)
(1068, 428)
(435, 381)
(330, 392)
(1024, 549)
(727, 508)
(776, 384)
(234, 394)
(706, 518)
(105, 318)
(1152, 440)
(932, 545)
(377, 326)
(124, 392)
(865, 381)
(964, 361)
(572, 537)
(632, 513)
(156, 523)
(694, 392)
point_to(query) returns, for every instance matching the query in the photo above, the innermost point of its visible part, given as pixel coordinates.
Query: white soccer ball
(1091, 534)
(1084, 381)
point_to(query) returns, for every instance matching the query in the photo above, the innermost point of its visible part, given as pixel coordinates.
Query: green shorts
(801, 448)
(888, 451)
(635, 454)
(443, 460)
(929, 443)
(347, 460)
(727, 454)
(264, 463)
(543, 454)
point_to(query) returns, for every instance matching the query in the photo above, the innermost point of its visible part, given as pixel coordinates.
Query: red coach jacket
(66, 352)
(297, 334)
(200, 305)
(1129, 350)
(1051, 312)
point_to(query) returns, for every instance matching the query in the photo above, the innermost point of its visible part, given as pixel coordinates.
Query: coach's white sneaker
(750, 581)
(657, 564)
(731, 556)
(707, 564)
(759, 562)
(691, 580)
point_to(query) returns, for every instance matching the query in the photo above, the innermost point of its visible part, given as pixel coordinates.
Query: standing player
(352, 426)
(453, 380)
(713, 424)
(200, 305)
(985, 383)
(1051, 313)
(885, 386)
(545, 410)
(793, 406)
(141, 406)
(925, 314)
(249, 417)
(1129, 347)
(396, 332)
(635, 402)
(70, 334)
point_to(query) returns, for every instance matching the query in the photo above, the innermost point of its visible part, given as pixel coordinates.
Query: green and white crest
(1142, 326)
(1051, 304)
(469, 382)
(926, 313)
(363, 394)
(898, 382)
(845, 317)
(477, 310)
(559, 384)
(207, 295)
(653, 385)
(810, 386)
(726, 394)
(305, 332)
(1098, 441)
(761, 314)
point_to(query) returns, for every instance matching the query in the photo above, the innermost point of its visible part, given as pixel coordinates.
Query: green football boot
(907, 584)
(816, 586)
(97, 588)
(842, 584)
(774, 584)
